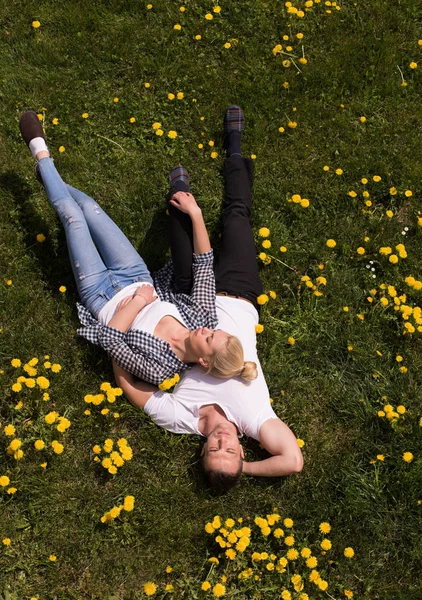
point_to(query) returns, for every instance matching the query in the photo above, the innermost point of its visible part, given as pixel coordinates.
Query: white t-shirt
(247, 405)
(148, 318)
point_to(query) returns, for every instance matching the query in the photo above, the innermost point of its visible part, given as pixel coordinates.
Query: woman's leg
(88, 268)
(181, 236)
(118, 254)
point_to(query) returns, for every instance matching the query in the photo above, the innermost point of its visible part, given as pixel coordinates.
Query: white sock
(37, 145)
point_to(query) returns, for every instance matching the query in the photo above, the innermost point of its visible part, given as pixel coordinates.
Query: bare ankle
(42, 154)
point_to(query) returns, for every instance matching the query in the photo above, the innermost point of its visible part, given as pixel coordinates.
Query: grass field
(99, 74)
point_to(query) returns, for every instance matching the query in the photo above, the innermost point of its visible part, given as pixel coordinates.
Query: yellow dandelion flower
(326, 544)
(219, 590)
(150, 588)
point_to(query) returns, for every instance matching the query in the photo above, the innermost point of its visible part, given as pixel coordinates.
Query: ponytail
(249, 371)
(230, 362)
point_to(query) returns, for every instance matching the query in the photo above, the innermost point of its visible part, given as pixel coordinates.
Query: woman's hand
(185, 202)
(147, 292)
(122, 304)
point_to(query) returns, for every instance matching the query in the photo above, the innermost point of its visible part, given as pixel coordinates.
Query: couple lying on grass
(153, 329)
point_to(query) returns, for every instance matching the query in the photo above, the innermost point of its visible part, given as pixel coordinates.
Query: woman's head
(221, 354)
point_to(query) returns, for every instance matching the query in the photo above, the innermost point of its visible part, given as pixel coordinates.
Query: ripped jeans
(102, 258)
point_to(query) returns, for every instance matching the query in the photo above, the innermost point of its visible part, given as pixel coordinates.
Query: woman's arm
(185, 202)
(203, 286)
(128, 308)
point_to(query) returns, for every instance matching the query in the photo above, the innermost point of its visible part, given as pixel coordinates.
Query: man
(221, 410)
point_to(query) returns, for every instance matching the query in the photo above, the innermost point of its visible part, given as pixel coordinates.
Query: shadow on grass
(52, 259)
(154, 248)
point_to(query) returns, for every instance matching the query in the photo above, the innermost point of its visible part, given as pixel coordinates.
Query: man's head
(222, 456)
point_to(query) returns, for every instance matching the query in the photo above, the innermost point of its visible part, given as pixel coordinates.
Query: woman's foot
(33, 134)
(179, 180)
(234, 123)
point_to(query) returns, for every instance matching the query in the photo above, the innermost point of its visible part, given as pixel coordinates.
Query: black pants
(236, 270)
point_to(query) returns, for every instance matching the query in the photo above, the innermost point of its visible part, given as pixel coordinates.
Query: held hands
(185, 202)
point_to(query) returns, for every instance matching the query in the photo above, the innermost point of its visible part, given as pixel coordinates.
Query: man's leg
(237, 270)
(181, 236)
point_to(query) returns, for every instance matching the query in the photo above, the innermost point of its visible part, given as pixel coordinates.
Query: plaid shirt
(146, 356)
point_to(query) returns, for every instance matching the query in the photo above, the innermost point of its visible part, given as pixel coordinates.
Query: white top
(148, 318)
(247, 405)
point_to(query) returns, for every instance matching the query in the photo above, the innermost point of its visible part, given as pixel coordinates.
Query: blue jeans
(102, 258)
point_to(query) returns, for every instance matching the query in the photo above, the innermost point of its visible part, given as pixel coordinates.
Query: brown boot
(30, 126)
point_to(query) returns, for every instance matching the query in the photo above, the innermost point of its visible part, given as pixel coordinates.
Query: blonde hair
(230, 362)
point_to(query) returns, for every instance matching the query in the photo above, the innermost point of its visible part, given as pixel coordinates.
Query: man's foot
(234, 123)
(33, 133)
(234, 119)
(179, 180)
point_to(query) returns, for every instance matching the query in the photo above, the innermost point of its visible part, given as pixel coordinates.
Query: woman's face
(207, 342)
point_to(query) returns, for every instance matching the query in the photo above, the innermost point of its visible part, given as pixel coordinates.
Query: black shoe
(179, 179)
(30, 126)
(234, 119)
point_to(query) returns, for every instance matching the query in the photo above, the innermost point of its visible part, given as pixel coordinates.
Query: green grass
(83, 56)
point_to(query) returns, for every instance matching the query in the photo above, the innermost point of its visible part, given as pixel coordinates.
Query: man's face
(222, 451)
(207, 342)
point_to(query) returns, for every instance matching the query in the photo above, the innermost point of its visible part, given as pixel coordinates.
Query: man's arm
(279, 441)
(138, 392)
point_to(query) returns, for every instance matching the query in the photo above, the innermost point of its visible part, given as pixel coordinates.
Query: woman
(151, 336)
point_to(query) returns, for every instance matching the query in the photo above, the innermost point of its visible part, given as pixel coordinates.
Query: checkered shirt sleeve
(198, 308)
(146, 356)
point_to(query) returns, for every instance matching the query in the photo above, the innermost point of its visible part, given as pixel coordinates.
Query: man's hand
(185, 202)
